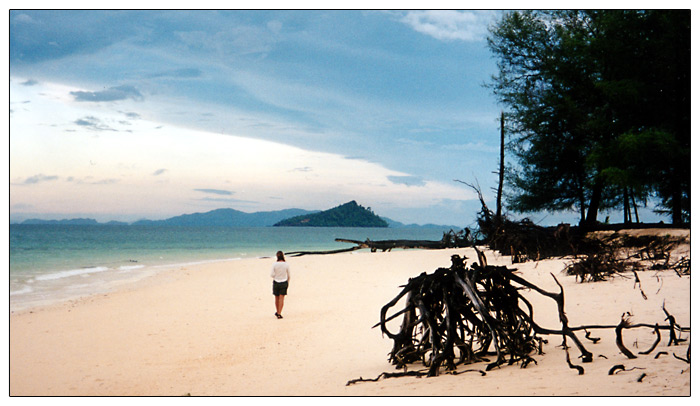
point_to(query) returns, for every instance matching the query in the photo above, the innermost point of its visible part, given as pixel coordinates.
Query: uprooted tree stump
(469, 310)
(524, 240)
(465, 315)
(460, 315)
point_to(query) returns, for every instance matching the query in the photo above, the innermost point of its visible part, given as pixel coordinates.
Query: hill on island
(349, 214)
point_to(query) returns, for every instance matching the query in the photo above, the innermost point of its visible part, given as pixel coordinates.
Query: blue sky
(148, 114)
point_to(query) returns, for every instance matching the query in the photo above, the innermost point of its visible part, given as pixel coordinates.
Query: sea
(53, 263)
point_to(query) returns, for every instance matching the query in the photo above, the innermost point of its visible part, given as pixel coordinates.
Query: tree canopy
(598, 109)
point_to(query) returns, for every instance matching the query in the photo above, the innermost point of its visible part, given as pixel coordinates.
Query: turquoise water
(54, 262)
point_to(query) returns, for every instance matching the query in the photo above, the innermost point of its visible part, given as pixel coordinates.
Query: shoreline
(69, 261)
(209, 330)
(108, 281)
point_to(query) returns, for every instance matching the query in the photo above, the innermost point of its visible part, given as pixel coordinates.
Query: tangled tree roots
(476, 311)
(523, 240)
(461, 315)
(645, 252)
(596, 267)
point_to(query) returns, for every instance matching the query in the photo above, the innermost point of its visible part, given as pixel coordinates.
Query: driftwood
(301, 253)
(619, 368)
(624, 323)
(464, 315)
(644, 252)
(523, 240)
(597, 257)
(418, 374)
(388, 245)
(658, 340)
(687, 356)
(449, 239)
(476, 312)
(682, 267)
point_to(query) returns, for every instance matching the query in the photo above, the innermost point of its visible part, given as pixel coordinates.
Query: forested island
(349, 214)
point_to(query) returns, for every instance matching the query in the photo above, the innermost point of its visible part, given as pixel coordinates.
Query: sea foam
(24, 290)
(72, 272)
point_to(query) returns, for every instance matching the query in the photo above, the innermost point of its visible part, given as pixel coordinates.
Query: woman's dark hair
(280, 256)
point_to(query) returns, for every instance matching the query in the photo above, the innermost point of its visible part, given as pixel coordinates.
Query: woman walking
(280, 282)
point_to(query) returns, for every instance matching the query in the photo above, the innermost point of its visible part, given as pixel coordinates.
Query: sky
(125, 115)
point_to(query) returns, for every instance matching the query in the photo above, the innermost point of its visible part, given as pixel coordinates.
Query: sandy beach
(210, 329)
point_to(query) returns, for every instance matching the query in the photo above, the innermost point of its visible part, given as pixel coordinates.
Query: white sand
(210, 330)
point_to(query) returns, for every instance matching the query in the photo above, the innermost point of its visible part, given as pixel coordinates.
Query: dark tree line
(598, 109)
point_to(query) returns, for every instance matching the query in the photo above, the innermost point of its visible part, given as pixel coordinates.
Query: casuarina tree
(598, 108)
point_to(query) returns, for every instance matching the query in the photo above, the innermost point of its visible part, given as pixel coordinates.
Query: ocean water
(49, 263)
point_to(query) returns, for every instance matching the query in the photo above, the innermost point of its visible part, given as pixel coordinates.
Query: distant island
(73, 222)
(349, 214)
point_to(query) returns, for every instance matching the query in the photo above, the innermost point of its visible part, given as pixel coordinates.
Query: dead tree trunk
(501, 169)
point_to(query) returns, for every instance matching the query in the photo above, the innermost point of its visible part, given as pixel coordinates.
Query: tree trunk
(636, 213)
(627, 216)
(592, 216)
(581, 199)
(676, 205)
(501, 170)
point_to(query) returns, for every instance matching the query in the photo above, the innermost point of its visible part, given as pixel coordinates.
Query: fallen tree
(301, 253)
(597, 256)
(449, 239)
(523, 240)
(388, 245)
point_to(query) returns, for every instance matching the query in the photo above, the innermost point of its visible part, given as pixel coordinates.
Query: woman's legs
(279, 303)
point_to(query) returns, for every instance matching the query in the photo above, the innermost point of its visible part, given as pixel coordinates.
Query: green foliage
(347, 215)
(598, 107)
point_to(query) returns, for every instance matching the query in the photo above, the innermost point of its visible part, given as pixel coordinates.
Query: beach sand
(210, 330)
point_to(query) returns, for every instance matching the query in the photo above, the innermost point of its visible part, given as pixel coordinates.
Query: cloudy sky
(122, 115)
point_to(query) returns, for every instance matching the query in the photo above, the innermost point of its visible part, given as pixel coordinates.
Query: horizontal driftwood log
(451, 239)
(388, 245)
(300, 253)
(385, 245)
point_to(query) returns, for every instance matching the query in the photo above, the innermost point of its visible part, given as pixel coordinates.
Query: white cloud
(215, 191)
(472, 146)
(38, 179)
(22, 18)
(112, 94)
(119, 172)
(407, 180)
(448, 25)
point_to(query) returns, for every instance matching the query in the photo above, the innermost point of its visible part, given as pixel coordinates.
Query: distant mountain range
(228, 217)
(234, 218)
(349, 214)
(75, 222)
